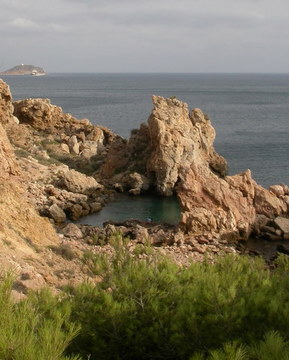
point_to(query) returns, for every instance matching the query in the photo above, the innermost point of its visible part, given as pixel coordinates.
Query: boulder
(89, 149)
(137, 183)
(283, 224)
(77, 182)
(76, 211)
(65, 148)
(57, 214)
(260, 222)
(39, 113)
(95, 207)
(278, 190)
(73, 145)
(213, 204)
(72, 231)
(267, 203)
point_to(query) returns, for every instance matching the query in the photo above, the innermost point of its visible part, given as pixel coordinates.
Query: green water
(124, 207)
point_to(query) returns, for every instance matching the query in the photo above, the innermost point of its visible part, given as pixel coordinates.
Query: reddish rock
(6, 106)
(267, 203)
(210, 203)
(178, 140)
(278, 190)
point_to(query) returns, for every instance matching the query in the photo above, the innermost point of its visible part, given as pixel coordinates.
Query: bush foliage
(28, 333)
(150, 308)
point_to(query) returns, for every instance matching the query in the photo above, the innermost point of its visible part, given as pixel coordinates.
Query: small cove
(125, 207)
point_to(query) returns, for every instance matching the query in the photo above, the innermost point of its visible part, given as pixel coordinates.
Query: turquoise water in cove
(250, 112)
(125, 207)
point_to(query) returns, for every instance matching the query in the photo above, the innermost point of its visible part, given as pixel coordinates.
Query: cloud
(23, 26)
(146, 35)
(23, 23)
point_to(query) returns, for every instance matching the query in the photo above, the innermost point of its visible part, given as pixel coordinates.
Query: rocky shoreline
(56, 169)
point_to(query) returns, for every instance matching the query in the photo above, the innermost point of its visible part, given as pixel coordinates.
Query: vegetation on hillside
(147, 307)
(28, 333)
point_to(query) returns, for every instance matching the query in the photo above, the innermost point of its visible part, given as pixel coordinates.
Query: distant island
(24, 70)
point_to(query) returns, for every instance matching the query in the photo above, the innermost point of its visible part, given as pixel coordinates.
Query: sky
(146, 35)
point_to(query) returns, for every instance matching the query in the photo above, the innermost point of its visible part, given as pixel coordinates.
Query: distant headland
(24, 70)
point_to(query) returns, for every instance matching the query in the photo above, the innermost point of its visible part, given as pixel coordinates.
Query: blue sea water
(250, 112)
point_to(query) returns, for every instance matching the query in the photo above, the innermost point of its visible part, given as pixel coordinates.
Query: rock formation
(179, 139)
(172, 139)
(6, 106)
(67, 135)
(8, 165)
(174, 153)
(19, 221)
(42, 137)
(183, 159)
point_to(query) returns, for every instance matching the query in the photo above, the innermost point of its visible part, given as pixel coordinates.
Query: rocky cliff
(179, 138)
(19, 221)
(32, 245)
(173, 138)
(174, 153)
(8, 164)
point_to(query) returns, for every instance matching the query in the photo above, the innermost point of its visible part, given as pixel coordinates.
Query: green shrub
(153, 309)
(150, 308)
(30, 334)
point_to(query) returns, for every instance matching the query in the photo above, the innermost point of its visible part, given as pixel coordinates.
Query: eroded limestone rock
(8, 164)
(76, 182)
(6, 106)
(178, 140)
(20, 226)
(212, 204)
(172, 139)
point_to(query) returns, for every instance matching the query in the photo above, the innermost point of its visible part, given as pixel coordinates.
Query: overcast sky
(146, 35)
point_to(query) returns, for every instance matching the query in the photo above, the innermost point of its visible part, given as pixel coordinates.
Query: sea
(250, 113)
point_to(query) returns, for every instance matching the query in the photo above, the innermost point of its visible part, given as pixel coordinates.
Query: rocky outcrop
(178, 140)
(8, 165)
(55, 190)
(212, 204)
(59, 192)
(6, 106)
(41, 115)
(174, 152)
(172, 139)
(226, 206)
(20, 223)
